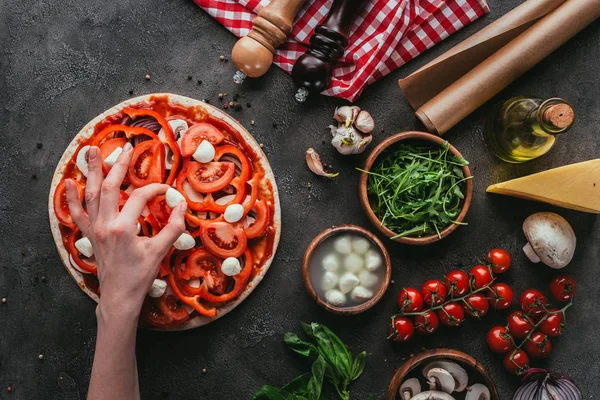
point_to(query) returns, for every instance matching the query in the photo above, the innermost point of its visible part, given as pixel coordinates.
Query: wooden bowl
(364, 197)
(346, 229)
(463, 359)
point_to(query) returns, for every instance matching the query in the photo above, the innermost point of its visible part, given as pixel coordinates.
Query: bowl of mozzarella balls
(346, 269)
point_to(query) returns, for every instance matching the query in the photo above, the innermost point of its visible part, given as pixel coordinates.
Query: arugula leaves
(332, 360)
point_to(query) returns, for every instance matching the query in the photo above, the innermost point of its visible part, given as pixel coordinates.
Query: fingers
(110, 191)
(169, 234)
(93, 183)
(75, 209)
(138, 199)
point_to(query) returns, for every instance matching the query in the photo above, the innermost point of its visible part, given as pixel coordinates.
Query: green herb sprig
(331, 360)
(417, 191)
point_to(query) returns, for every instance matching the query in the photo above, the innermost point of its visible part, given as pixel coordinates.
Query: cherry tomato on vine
(499, 340)
(538, 345)
(516, 362)
(553, 325)
(427, 323)
(476, 305)
(519, 324)
(501, 296)
(401, 329)
(457, 283)
(451, 314)
(410, 300)
(480, 276)
(499, 259)
(434, 292)
(533, 302)
(563, 288)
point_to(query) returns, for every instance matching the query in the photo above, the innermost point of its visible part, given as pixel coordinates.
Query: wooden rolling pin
(312, 71)
(253, 54)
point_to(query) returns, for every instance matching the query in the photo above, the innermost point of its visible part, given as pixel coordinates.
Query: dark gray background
(64, 62)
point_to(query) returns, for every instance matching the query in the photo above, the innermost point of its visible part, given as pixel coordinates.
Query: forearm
(114, 373)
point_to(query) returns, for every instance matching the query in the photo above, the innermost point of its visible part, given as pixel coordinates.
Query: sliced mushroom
(458, 373)
(478, 392)
(433, 395)
(440, 379)
(410, 388)
(550, 239)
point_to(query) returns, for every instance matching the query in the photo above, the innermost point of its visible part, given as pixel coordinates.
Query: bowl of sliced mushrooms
(442, 374)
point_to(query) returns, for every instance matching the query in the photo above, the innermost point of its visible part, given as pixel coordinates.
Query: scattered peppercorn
(225, 106)
(147, 77)
(43, 279)
(9, 389)
(261, 145)
(34, 177)
(204, 370)
(220, 96)
(382, 130)
(41, 356)
(309, 185)
(189, 77)
(236, 97)
(221, 58)
(40, 145)
(274, 124)
(248, 105)
(252, 122)
(130, 91)
(207, 101)
(199, 82)
(4, 300)
(392, 282)
(236, 105)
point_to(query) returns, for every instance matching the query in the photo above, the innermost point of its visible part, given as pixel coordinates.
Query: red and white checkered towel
(385, 35)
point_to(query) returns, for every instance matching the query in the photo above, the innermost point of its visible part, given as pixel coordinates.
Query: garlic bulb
(352, 135)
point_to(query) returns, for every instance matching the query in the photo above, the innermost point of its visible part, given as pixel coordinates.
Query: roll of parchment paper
(537, 28)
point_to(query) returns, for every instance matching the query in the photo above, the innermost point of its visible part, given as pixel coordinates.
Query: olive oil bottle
(524, 128)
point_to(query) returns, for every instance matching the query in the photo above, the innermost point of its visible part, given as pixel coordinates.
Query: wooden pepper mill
(253, 54)
(312, 71)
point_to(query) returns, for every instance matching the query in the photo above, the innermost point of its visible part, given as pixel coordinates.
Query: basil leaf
(334, 351)
(371, 397)
(272, 393)
(300, 346)
(359, 365)
(315, 384)
(299, 385)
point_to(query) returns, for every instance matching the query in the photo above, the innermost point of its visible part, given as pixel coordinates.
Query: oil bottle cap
(560, 116)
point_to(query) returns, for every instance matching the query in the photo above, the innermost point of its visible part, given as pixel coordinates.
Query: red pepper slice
(263, 214)
(140, 112)
(246, 166)
(75, 253)
(130, 131)
(240, 282)
(190, 300)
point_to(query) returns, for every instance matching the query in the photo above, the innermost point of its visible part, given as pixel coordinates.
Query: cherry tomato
(476, 305)
(147, 163)
(107, 149)
(427, 323)
(480, 276)
(499, 259)
(516, 362)
(210, 177)
(410, 300)
(223, 239)
(533, 302)
(501, 296)
(163, 312)
(434, 292)
(499, 340)
(563, 288)
(538, 345)
(457, 283)
(519, 324)
(451, 314)
(61, 207)
(262, 216)
(198, 133)
(401, 329)
(553, 325)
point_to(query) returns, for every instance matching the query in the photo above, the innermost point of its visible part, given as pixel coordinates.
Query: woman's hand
(127, 263)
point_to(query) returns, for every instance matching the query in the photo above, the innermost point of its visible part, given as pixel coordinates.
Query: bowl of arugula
(416, 188)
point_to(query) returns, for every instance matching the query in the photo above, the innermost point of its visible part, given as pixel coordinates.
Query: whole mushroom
(353, 133)
(433, 395)
(550, 239)
(410, 388)
(461, 379)
(478, 392)
(441, 380)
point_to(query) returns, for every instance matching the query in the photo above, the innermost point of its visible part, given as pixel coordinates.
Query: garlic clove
(315, 165)
(364, 122)
(346, 114)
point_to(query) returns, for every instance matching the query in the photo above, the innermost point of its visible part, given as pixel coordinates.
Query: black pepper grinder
(312, 71)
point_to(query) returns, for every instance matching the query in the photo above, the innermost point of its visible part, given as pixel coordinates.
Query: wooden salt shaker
(253, 54)
(312, 71)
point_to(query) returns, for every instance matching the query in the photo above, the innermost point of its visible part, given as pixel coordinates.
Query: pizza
(233, 220)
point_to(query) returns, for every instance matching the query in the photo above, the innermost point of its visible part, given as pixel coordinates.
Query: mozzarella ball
(331, 263)
(111, 159)
(173, 197)
(205, 152)
(335, 297)
(85, 247)
(348, 281)
(373, 260)
(360, 293)
(158, 288)
(360, 245)
(81, 161)
(233, 213)
(185, 241)
(354, 263)
(231, 266)
(343, 245)
(368, 279)
(329, 280)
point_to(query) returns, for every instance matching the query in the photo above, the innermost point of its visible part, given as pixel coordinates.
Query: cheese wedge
(575, 186)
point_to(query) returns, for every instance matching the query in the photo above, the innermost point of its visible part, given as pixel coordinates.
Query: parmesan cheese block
(575, 186)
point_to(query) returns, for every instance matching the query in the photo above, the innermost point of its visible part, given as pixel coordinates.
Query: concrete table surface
(64, 62)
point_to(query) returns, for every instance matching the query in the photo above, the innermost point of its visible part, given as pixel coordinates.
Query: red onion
(539, 384)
